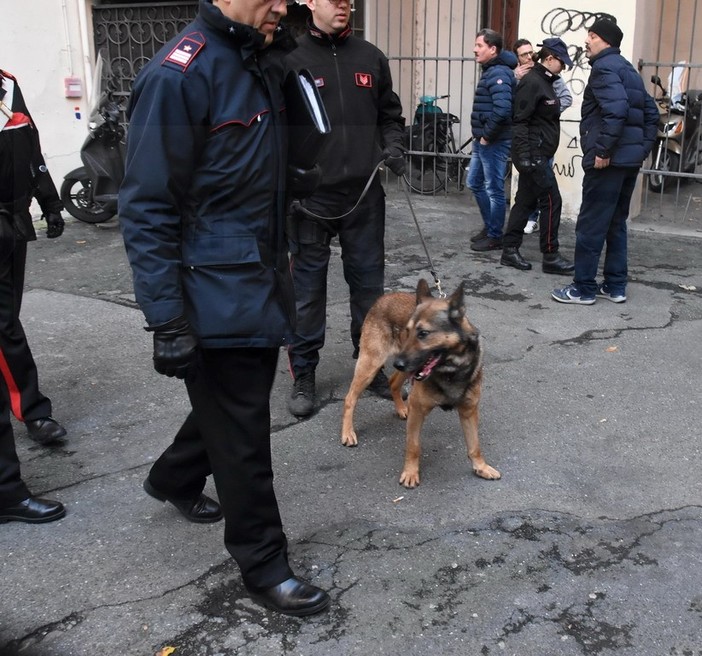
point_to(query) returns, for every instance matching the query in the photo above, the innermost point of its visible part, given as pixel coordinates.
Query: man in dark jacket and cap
(491, 124)
(537, 131)
(617, 132)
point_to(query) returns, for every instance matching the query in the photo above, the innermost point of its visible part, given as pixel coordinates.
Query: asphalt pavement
(588, 545)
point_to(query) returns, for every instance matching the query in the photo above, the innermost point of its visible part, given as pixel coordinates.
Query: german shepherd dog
(432, 342)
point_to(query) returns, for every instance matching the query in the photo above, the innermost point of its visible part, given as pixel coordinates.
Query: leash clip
(437, 282)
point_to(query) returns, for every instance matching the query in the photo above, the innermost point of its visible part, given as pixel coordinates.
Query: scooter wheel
(76, 195)
(668, 162)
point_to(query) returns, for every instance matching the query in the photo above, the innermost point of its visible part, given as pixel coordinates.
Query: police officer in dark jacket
(23, 176)
(536, 129)
(202, 209)
(353, 78)
(617, 132)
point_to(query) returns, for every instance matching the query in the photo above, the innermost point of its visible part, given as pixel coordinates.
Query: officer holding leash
(353, 78)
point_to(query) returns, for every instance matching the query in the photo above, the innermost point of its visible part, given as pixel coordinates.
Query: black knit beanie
(607, 31)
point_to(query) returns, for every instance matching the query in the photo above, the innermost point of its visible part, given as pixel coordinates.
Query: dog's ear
(423, 291)
(457, 308)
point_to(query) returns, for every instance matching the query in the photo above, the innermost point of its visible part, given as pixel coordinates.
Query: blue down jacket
(619, 117)
(202, 205)
(492, 106)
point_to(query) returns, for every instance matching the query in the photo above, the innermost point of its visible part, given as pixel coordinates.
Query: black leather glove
(54, 224)
(525, 165)
(175, 347)
(303, 182)
(394, 157)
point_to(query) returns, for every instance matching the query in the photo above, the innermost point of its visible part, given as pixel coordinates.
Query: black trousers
(534, 190)
(17, 368)
(361, 236)
(19, 389)
(12, 488)
(227, 434)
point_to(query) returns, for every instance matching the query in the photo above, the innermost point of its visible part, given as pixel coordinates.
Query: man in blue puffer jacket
(491, 123)
(617, 132)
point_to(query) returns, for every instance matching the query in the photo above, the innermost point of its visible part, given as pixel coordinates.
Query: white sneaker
(530, 227)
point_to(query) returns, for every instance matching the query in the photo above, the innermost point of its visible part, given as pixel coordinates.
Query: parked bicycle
(433, 160)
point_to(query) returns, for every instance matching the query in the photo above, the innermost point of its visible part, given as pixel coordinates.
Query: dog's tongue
(428, 366)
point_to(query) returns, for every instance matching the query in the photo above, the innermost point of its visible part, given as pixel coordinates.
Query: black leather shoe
(45, 430)
(554, 263)
(201, 509)
(33, 510)
(292, 597)
(512, 257)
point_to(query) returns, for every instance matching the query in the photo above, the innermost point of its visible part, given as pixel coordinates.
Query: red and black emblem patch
(364, 80)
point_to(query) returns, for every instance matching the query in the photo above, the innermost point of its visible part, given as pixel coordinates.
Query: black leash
(437, 282)
(304, 210)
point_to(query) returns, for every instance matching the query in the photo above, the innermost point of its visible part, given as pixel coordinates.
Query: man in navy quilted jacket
(491, 126)
(617, 132)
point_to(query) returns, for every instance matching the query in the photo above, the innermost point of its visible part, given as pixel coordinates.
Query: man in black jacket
(353, 78)
(202, 210)
(536, 132)
(617, 132)
(23, 176)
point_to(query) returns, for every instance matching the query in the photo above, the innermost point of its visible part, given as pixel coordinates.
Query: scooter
(89, 193)
(678, 146)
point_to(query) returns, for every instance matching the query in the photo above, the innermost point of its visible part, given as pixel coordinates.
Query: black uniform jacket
(23, 172)
(536, 124)
(354, 81)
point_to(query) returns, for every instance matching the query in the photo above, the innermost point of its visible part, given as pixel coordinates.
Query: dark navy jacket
(492, 106)
(202, 204)
(619, 117)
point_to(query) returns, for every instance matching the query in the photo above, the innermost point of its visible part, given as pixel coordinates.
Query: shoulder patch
(185, 52)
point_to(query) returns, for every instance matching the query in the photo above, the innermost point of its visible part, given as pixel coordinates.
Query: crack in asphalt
(569, 577)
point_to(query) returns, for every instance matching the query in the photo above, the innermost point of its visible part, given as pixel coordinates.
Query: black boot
(554, 263)
(302, 399)
(512, 257)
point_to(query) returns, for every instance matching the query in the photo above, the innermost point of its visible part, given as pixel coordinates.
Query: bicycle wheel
(422, 176)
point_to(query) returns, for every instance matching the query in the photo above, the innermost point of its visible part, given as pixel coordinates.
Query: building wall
(567, 20)
(42, 45)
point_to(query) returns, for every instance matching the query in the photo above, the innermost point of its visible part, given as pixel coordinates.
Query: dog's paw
(349, 439)
(409, 478)
(401, 411)
(485, 471)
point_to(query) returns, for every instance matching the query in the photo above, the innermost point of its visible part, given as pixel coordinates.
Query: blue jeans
(486, 179)
(602, 219)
